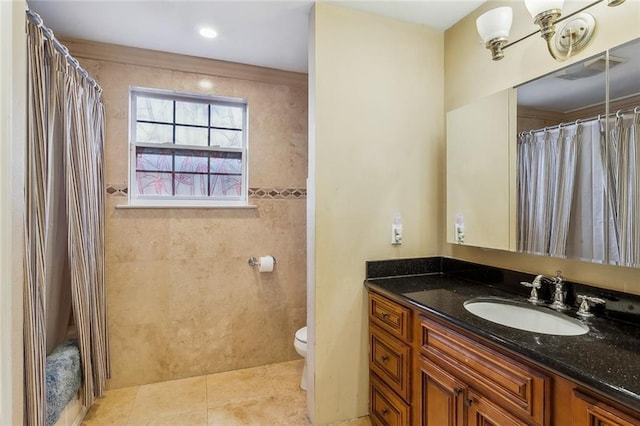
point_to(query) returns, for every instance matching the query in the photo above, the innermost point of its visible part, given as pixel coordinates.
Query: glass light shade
(536, 7)
(495, 23)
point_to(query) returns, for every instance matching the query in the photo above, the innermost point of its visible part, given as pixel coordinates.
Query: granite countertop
(607, 358)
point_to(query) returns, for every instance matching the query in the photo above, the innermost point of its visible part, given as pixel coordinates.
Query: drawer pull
(469, 402)
(384, 358)
(385, 315)
(457, 392)
(385, 411)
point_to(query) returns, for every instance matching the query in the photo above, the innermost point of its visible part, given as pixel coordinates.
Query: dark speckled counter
(607, 358)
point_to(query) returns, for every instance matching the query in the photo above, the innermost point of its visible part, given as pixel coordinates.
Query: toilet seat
(301, 335)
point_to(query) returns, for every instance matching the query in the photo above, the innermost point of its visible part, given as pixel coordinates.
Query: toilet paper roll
(266, 264)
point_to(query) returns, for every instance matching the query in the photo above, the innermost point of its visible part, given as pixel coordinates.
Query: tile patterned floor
(267, 395)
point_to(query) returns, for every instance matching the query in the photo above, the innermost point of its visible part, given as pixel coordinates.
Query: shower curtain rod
(634, 110)
(48, 33)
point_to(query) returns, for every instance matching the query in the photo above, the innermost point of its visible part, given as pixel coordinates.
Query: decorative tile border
(278, 193)
(121, 190)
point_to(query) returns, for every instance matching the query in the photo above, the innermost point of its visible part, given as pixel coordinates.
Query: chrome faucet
(535, 285)
(584, 304)
(559, 294)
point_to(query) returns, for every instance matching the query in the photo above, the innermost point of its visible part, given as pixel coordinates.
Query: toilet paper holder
(254, 261)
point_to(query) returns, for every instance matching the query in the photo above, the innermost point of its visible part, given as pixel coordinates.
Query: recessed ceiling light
(208, 32)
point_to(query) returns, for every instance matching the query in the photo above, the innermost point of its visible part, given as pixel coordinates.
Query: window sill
(183, 206)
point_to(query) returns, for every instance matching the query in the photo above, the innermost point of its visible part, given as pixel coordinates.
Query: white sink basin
(525, 317)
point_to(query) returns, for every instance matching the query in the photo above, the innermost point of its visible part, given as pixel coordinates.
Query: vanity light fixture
(579, 26)
(494, 27)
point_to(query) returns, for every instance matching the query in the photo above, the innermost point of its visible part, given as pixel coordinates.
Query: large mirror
(578, 160)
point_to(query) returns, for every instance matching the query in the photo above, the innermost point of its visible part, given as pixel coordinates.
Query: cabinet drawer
(515, 386)
(390, 359)
(390, 316)
(386, 407)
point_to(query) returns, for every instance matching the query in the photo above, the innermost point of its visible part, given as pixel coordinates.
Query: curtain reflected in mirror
(578, 186)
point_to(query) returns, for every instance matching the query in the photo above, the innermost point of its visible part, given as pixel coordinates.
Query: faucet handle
(583, 311)
(535, 285)
(558, 278)
(559, 293)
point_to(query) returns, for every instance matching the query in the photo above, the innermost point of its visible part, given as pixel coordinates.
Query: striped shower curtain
(64, 217)
(622, 157)
(579, 191)
(547, 168)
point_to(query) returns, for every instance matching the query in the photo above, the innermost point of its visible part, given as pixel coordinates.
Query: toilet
(300, 345)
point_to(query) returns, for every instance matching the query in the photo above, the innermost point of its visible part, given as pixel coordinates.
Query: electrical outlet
(396, 234)
(459, 233)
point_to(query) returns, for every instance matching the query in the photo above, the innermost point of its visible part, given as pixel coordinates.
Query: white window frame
(136, 199)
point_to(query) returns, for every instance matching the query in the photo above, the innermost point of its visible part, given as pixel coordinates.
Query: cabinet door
(481, 145)
(588, 411)
(482, 412)
(520, 388)
(442, 396)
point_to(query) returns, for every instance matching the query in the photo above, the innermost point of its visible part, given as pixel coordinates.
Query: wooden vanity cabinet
(447, 401)
(589, 410)
(390, 356)
(479, 385)
(426, 371)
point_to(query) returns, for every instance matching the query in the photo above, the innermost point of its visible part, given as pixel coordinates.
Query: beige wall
(471, 74)
(378, 150)
(12, 143)
(182, 300)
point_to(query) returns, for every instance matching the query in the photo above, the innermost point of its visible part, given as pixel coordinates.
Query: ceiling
(259, 32)
(583, 84)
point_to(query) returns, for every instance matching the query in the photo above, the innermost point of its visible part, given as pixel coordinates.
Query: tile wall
(182, 299)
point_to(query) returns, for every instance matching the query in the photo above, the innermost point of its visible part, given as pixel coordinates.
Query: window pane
(192, 161)
(226, 163)
(192, 113)
(151, 160)
(191, 185)
(154, 133)
(226, 186)
(226, 116)
(150, 183)
(226, 138)
(177, 134)
(151, 109)
(191, 136)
